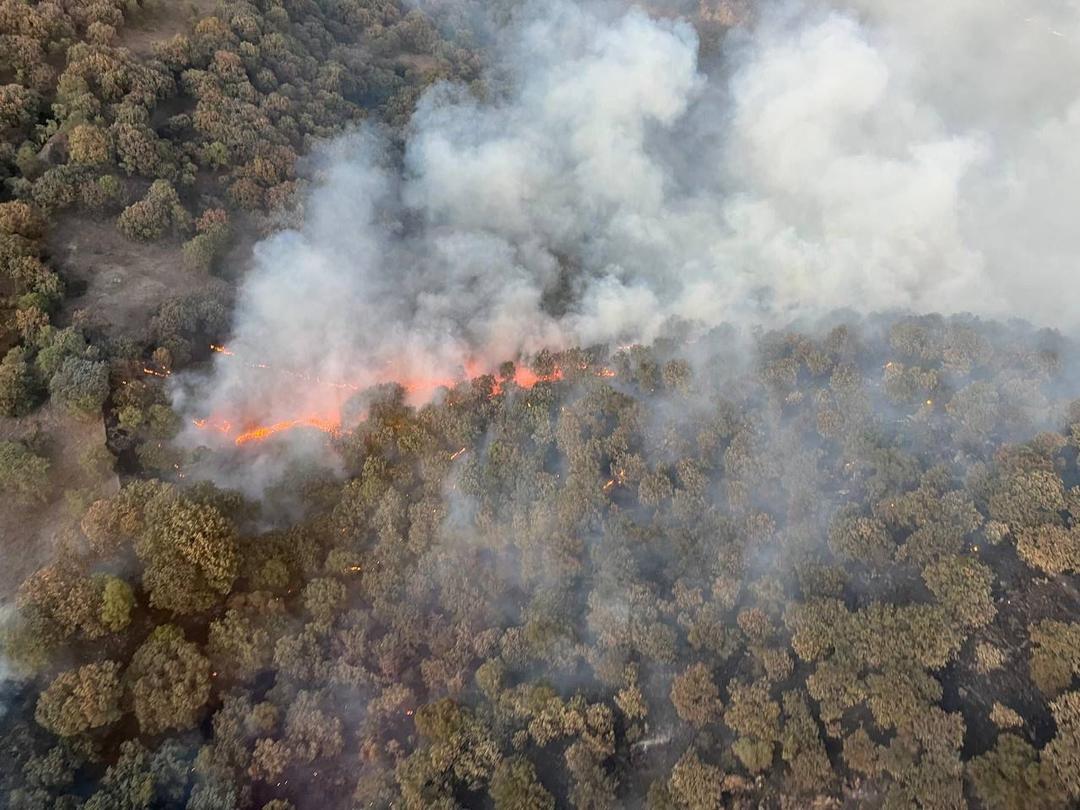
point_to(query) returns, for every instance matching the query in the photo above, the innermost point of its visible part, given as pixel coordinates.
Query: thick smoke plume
(917, 155)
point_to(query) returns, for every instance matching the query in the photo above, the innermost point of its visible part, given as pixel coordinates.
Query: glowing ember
(155, 373)
(610, 485)
(298, 375)
(457, 454)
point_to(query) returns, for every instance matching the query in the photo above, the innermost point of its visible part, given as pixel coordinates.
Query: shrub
(23, 475)
(154, 215)
(81, 385)
(81, 699)
(211, 239)
(88, 144)
(1055, 656)
(1050, 548)
(21, 219)
(56, 346)
(58, 188)
(19, 387)
(116, 603)
(104, 194)
(695, 696)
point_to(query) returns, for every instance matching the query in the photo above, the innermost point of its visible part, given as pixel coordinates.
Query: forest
(830, 565)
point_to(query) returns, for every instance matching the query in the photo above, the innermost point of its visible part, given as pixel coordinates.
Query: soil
(119, 283)
(29, 533)
(160, 21)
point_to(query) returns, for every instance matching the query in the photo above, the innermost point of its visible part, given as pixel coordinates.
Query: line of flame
(524, 377)
(258, 434)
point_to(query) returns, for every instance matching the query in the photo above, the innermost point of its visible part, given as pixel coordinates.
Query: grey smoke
(872, 155)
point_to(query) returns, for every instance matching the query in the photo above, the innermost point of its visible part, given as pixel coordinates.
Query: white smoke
(912, 155)
(873, 155)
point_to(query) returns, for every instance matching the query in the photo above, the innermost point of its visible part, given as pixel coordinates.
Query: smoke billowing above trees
(592, 437)
(612, 175)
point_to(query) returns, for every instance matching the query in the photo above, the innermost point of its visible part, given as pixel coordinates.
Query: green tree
(457, 749)
(210, 240)
(19, 388)
(593, 787)
(514, 786)
(1050, 548)
(144, 779)
(88, 144)
(21, 219)
(751, 711)
(860, 538)
(57, 346)
(81, 385)
(962, 585)
(241, 643)
(81, 699)
(117, 602)
(695, 696)
(1055, 655)
(155, 214)
(1010, 777)
(191, 554)
(1062, 754)
(697, 785)
(802, 748)
(756, 717)
(63, 592)
(323, 598)
(168, 681)
(24, 476)
(310, 732)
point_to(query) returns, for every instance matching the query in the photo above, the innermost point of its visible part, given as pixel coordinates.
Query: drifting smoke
(917, 155)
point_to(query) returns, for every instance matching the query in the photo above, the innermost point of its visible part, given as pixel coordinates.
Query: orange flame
(220, 425)
(417, 388)
(525, 377)
(258, 434)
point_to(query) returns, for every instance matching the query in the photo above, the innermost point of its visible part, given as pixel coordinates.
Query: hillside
(518, 406)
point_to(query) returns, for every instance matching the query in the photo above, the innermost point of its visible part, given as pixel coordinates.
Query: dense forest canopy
(831, 564)
(809, 567)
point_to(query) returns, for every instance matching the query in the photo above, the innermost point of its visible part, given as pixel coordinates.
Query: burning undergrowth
(344, 401)
(611, 584)
(694, 565)
(609, 179)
